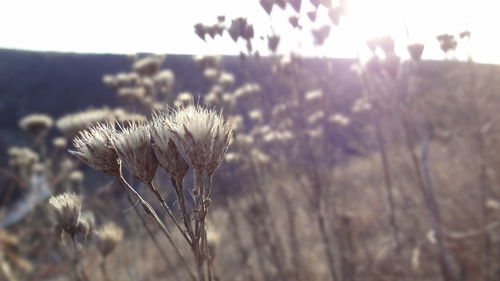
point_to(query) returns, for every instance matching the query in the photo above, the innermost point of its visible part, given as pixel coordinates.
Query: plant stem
(169, 212)
(151, 212)
(153, 237)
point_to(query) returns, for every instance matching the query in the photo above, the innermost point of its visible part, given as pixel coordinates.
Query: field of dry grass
(304, 180)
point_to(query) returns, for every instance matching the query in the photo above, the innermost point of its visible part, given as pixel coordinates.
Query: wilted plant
(67, 207)
(108, 237)
(185, 137)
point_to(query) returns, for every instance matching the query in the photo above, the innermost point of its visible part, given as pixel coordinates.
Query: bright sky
(166, 26)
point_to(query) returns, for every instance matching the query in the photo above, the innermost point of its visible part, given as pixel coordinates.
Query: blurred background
(365, 143)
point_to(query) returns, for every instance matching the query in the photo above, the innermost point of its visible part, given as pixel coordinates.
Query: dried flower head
(132, 94)
(165, 149)
(416, 51)
(211, 74)
(201, 136)
(211, 61)
(237, 122)
(22, 157)
(464, 34)
(149, 65)
(267, 5)
(314, 95)
(200, 30)
(184, 99)
(295, 4)
(68, 209)
(122, 79)
(93, 146)
(165, 80)
(256, 115)
(76, 177)
(237, 28)
(361, 105)
(72, 124)
(109, 235)
(232, 157)
(60, 143)
(315, 117)
(226, 79)
(273, 42)
(312, 15)
(339, 119)
(133, 146)
(211, 99)
(229, 100)
(294, 21)
(259, 156)
(36, 123)
(243, 141)
(247, 89)
(320, 34)
(447, 42)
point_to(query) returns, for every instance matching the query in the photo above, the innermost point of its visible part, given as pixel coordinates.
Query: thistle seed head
(339, 119)
(148, 66)
(132, 94)
(68, 209)
(416, 51)
(76, 177)
(201, 136)
(133, 146)
(36, 123)
(72, 124)
(314, 95)
(184, 99)
(93, 146)
(109, 235)
(165, 149)
(60, 143)
(22, 157)
(226, 79)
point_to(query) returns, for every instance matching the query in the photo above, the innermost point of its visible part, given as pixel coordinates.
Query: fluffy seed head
(148, 66)
(109, 235)
(416, 51)
(76, 177)
(68, 209)
(226, 79)
(60, 143)
(93, 146)
(133, 146)
(339, 119)
(184, 99)
(314, 95)
(165, 149)
(132, 94)
(22, 157)
(71, 124)
(36, 123)
(201, 136)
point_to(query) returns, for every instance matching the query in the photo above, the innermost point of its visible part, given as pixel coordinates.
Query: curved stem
(155, 241)
(169, 212)
(151, 212)
(182, 203)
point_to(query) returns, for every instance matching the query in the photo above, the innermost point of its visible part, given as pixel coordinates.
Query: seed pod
(416, 51)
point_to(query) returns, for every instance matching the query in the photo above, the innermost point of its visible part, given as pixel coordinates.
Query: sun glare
(407, 21)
